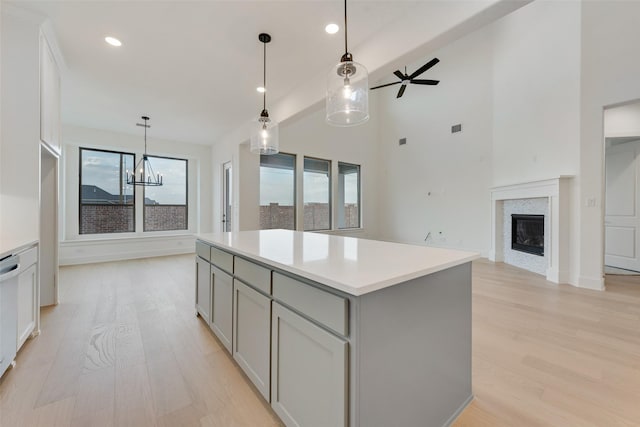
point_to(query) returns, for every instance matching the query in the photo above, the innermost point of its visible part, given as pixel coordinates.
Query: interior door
(622, 221)
(226, 197)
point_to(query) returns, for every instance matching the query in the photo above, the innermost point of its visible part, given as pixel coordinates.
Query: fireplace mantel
(556, 190)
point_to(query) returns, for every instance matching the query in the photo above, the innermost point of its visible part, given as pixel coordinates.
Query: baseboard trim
(123, 256)
(118, 249)
(594, 283)
(456, 414)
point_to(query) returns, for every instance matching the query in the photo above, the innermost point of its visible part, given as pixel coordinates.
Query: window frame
(295, 187)
(330, 185)
(80, 204)
(359, 198)
(186, 198)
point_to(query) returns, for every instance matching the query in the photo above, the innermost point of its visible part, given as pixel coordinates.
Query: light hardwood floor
(124, 348)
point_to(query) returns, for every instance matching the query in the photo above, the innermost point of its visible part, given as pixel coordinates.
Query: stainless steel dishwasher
(9, 270)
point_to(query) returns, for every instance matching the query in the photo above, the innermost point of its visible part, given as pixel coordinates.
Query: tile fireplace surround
(556, 191)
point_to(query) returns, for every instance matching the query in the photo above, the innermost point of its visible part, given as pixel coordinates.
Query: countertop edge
(338, 285)
(15, 248)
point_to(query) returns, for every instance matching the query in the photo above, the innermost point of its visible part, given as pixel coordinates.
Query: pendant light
(264, 138)
(347, 89)
(143, 167)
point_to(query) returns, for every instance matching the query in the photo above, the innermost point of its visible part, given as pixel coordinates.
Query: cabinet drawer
(203, 250)
(221, 259)
(28, 257)
(329, 309)
(253, 274)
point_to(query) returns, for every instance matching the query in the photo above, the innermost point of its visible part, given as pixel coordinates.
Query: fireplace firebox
(527, 233)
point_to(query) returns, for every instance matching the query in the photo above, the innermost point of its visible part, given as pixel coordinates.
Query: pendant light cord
(264, 77)
(346, 49)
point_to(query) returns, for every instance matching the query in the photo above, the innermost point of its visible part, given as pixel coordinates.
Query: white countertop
(355, 266)
(12, 246)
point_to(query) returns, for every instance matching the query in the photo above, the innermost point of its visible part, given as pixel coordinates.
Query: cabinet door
(251, 335)
(222, 309)
(203, 289)
(27, 305)
(309, 372)
(49, 97)
(8, 327)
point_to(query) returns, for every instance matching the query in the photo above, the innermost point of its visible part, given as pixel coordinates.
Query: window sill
(340, 230)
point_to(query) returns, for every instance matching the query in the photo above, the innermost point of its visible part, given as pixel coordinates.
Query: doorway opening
(622, 189)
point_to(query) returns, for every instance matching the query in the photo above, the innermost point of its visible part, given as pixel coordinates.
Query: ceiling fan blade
(424, 68)
(399, 74)
(388, 84)
(401, 91)
(425, 82)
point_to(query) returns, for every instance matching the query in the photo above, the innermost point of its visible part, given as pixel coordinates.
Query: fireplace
(527, 233)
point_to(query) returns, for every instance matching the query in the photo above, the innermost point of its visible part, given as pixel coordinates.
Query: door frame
(227, 195)
(53, 213)
(603, 183)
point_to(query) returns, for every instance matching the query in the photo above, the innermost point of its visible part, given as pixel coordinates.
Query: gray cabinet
(309, 372)
(252, 334)
(222, 309)
(203, 289)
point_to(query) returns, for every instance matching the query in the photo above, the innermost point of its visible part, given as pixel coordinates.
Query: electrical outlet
(590, 202)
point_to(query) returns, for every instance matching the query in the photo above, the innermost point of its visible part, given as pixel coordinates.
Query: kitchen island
(337, 331)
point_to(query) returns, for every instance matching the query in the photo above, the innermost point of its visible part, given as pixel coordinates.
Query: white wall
(76, 248)
(610, 70)
(439, 182)
(20, 149)
(536, 86)
(536, 103)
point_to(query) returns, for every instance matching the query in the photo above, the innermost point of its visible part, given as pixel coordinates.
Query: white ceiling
(193, 66)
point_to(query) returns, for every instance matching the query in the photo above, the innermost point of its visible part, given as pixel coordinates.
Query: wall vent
(402, 141)
(456, 128)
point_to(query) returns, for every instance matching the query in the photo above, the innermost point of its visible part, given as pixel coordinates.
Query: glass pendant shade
(264, 136)
(348, 94)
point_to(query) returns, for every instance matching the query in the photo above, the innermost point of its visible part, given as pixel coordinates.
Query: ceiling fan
(405, 79)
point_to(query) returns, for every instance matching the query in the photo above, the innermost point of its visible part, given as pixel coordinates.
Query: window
(165, 207)
(348, 195)
(317, 194)
(277, 191)
(106, 201)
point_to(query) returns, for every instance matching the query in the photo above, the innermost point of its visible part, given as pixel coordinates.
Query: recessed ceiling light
(332, 28)
(113, 41)
(261, 89)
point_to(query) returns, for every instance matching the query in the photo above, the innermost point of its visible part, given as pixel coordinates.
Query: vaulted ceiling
(194, 66)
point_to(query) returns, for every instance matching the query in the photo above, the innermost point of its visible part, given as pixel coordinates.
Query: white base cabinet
(222, 306)
(251, 335)
(27, 303)
(308, 372)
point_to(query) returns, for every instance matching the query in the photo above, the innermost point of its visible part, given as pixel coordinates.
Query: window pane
(317, 185)
(165, 207)
(348, 195)
(277, 191)
(106, 201)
